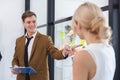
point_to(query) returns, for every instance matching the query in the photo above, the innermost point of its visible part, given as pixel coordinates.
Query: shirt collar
(32, 35)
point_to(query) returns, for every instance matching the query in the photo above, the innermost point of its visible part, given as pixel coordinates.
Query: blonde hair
(90, 17)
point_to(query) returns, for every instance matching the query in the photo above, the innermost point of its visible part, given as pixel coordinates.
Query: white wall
(10, 28)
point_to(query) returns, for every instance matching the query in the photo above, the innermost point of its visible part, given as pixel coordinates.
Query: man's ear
(23, 24)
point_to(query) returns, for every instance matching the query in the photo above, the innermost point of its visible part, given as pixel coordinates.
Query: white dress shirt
(30, 44)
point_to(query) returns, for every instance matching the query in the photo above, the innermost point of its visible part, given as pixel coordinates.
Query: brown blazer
(39, 59)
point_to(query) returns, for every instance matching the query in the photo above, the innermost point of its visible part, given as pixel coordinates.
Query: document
(24, 70)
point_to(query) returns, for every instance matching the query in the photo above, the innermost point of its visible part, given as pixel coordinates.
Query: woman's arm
(82, 66)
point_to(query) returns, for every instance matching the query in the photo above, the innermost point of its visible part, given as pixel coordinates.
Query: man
(38, 47)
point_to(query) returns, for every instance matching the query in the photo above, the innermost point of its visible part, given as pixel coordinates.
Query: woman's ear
(79, 26)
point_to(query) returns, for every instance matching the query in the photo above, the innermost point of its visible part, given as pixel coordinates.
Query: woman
(97, 60)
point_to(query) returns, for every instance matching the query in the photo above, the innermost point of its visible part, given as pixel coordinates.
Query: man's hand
(69, 50)
(15, 72)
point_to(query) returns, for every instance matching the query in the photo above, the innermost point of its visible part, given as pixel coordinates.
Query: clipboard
(24, 70)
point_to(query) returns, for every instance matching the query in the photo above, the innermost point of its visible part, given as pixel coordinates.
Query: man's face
(30, 24)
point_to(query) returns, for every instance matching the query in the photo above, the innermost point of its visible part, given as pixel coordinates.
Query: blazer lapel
(34, 45)
(23, 45)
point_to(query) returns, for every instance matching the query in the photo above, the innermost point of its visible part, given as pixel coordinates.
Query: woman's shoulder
(82, 56)
(85, 61)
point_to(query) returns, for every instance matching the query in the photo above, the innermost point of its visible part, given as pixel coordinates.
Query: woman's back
(104, 57)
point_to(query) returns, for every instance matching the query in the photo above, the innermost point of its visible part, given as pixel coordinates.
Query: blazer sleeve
(53, 51)
(15, 57)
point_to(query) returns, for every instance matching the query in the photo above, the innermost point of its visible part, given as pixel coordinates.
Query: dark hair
(27, 14)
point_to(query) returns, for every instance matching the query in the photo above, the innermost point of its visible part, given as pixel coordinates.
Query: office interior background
(53, 16)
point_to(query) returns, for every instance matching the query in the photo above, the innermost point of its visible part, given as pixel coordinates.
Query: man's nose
(32, 23)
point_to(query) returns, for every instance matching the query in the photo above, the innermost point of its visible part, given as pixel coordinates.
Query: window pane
(40, 8)
(42, 30)
(63, 68)
(106, 14)
(69, 6)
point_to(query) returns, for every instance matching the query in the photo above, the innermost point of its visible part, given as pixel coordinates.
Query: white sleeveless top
(104, 57)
